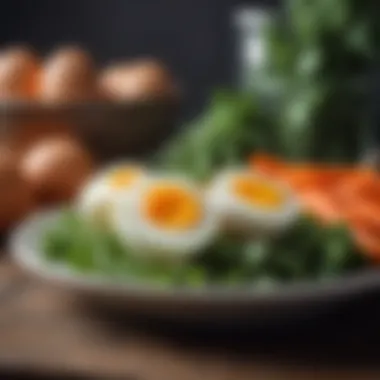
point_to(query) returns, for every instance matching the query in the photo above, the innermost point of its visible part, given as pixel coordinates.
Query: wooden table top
(44, 332)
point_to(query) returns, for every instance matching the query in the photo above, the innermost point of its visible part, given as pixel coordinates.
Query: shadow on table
(349, 335)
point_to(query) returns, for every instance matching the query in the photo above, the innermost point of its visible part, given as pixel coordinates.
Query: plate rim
(26, 256)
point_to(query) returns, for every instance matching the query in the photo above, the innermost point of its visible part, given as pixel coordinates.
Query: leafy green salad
(306, 251)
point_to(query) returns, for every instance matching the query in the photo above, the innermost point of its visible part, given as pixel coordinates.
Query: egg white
(96, 201)
(242, 217)
(150, 241)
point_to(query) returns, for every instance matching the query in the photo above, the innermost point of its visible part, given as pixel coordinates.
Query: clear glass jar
(251, 24)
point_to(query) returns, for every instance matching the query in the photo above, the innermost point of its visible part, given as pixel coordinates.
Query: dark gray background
(194, 37)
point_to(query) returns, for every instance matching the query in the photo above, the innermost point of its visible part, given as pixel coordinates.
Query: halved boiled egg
(252, 204)
(165, 218)
(96, 200)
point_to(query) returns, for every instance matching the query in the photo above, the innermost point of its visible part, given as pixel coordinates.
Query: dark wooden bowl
(109, 130)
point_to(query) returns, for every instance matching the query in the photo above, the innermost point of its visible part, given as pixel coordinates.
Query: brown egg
(19, 74)
(16, 197)
(23, 135)
(68, 76)
(143, 79)
(56, 168)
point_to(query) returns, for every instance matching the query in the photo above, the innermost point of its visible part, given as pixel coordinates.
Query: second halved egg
(251, 204)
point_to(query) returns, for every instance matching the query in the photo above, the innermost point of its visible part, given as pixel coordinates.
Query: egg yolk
(172, 207)
(258, 193)
(123, 178)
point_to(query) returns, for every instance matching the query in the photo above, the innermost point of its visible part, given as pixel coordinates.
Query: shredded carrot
(332, 193)
(369, 242)
(321, 205)
(363, 214)
(267, 163)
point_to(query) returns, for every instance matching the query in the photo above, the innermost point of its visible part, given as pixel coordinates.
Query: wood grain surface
(47, 333)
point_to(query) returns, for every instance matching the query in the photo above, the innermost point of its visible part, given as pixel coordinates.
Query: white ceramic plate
(285, 301)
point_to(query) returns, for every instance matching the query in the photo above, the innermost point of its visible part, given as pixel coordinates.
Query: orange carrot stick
(320, 205)
(266, 163)
(333, 193)
(368, 242)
